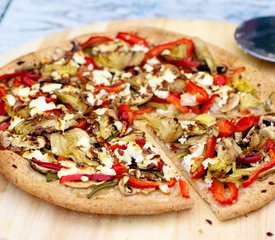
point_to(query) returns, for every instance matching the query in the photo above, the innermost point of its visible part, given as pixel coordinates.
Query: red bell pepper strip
(139, 183)
(126, 114)
(4, 126)
(264, 168)
(184, 188)
(250, 159)
(207, 105)
(185, 63)
(53, 112)
(116, 146)
(220, 80)
(217, 189)
(199, 92)
(110, 89)
(156, 51)
(50, 99)
(120, 169)
(53, 166)
(210, 151)
(176, 102)
(11, 75)
(95, 40)
(132, 39)
(92, 177)
(160, 100)
(81, 124)
(246, 123)
(62, 158)
(90, 61)
(160, 165)
(3, 92)
(2, 108)
(225, 127)
(269, 144)
(141, 142)
(143, 110)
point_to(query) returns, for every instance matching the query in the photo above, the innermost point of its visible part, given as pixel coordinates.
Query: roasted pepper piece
(217, 189)
(95, 40)
(92, 177)
(199, 92)
(246, 122)
(4, 126)
(265, 167)
(207, 105)
(226, 128)
(110, 89)
(126, 114)
(176, 102)
(143, 110)
(184, 188)
(210, 151)
(53, 166)
(132, 39)
(119, 168)
(156, 51)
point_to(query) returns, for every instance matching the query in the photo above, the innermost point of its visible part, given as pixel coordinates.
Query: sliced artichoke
(243, 85)
(203, 54)
(169, 130)
(73, 99)
(61, 70)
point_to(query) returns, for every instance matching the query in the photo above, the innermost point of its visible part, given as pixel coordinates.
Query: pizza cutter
(257, 37)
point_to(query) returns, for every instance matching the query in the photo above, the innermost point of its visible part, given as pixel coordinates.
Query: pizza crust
(30, 181)
(18, 171)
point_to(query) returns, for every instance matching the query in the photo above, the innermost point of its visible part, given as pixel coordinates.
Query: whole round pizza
(123, 122)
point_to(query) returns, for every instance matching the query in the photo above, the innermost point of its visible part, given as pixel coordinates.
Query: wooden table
(26, 217)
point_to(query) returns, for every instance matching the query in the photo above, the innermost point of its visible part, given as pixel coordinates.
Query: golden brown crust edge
(18, 171)
(250, 199)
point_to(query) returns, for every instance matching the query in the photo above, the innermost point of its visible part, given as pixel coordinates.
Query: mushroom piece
(232, 148)
(232, 102)
(41, 169)
(124, 188)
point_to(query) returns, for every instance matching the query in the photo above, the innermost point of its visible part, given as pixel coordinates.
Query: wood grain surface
(26, 217)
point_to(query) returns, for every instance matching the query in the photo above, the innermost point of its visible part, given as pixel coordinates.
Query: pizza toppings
(72, 117)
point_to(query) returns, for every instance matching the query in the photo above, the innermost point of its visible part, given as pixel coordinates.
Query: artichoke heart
(243, 85)
(72, 144)
(73, 99)
(33, 125)
(119, 58)
(169, 130)
(60, 69)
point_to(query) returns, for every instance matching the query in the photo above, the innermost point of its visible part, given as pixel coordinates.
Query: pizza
(123, 122)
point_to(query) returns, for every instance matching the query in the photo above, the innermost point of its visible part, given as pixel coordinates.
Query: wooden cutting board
(23, 216)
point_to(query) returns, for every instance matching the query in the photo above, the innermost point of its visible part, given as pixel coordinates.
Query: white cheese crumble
(206, 81)
(102, 77)
(182, 140)
(166, 52)
(161, 94)
(84, 142)
(186, 124)
(79, 58)
(168, 172)
(84, 179)
(169, 76)
(208, 182)
(50, 87)
(91, 99)
(139, 48)
(142, 90)
(56, 75)
(106, 170)
(10, 99)
(188, 161)
(153, 61)
(39, 105)
(148, 68)
(37, 155)
(223, 95)
(187, 99)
